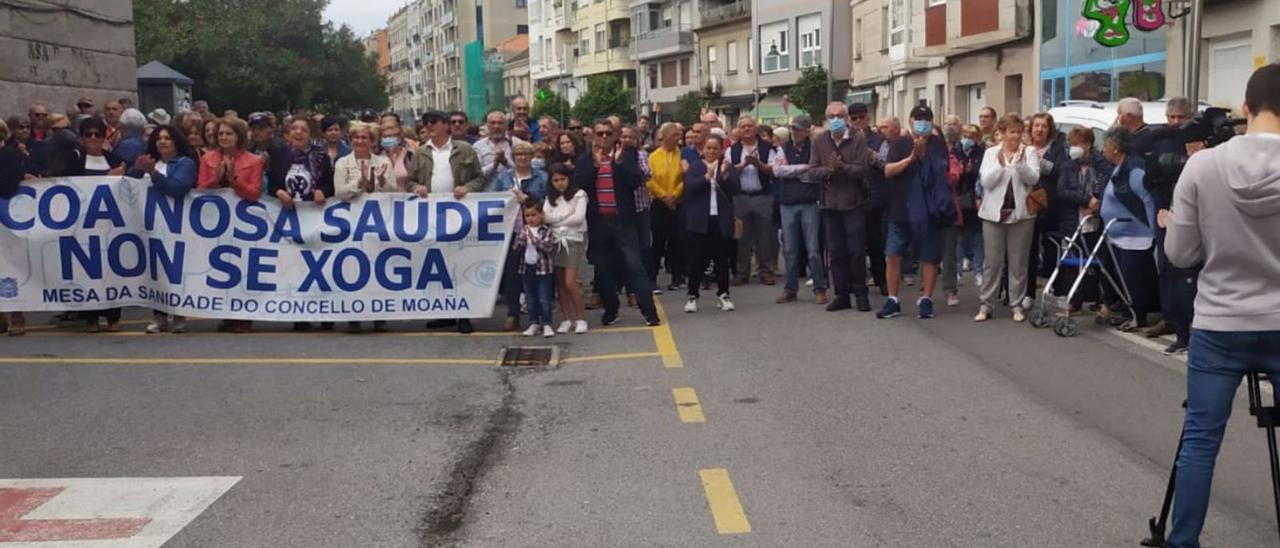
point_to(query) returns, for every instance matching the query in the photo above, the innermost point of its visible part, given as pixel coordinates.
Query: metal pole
(1193, 50)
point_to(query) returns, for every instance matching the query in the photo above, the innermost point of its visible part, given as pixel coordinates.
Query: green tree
(810, 92)
(688, 108)
(259, 55)
(605, 96)
(548, 103)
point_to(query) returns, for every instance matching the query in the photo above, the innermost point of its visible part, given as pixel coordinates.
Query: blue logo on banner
(8, 288)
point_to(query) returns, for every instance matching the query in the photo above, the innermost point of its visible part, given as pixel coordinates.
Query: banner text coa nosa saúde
(87, 243)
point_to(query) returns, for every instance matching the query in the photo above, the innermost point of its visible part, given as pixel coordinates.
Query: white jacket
(346, 176)
(995, 180)
(567, 217)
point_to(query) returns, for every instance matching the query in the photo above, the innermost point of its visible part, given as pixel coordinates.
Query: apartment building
(794, 35)
(378, 45)
(551, 44)
(725, 59)
(515, 77)
(663, 44)
(1237, 37)
(398, 73)
(603, 42)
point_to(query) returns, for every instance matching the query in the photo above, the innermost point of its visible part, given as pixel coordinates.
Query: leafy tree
(810, 92)
(605, 96)
(688, 108)
(249, 56)
(548, 103)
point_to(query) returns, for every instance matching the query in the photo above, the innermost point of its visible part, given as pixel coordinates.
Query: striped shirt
(643, 200)
(606, 198)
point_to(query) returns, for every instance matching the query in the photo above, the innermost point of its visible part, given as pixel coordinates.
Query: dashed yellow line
(664, 340)
(687, 405)
(726, 509)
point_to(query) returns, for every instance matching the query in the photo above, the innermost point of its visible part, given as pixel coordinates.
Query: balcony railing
(713, 14)
(662, 42)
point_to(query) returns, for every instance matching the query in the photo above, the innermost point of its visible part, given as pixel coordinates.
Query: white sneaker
(565, 326)
(984, 314)
(153, 328)
(977, 279)
(657, 291)
(1018, 316)
(966, 265)
(547, 332)
(532, 331)
(691, 305)
(580, 327)
(723, 302)
(809, 283)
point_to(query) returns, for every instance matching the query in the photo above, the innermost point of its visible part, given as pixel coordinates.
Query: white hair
(718, 132)
(1129, 105)
(133, 119)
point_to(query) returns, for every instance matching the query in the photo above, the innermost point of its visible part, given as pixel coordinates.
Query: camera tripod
(1268, 418)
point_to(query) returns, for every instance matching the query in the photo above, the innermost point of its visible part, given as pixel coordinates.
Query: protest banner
(89, 243)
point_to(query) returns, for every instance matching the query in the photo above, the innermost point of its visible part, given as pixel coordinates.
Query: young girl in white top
(566, 213)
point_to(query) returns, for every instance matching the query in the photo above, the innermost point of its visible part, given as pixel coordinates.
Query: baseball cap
(434, 116)
(259, 119)
(368, 115)
(802, 122)
(922, 112)
(84, 102)
(857, 109)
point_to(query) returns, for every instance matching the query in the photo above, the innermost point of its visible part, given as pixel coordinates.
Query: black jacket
(12, 169)
(697, 198)
(281, 159)
(627, 177)
(1049, 219)
(1074, 193)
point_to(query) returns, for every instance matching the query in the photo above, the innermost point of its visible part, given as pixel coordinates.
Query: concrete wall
(870, 64)
(742, 83)
(56, 56)
(991, 68)
(836, 35)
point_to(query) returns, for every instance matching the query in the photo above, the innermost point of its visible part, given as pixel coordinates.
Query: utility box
(159, 86)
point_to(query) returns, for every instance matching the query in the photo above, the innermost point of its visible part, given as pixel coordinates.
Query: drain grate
(529, 356)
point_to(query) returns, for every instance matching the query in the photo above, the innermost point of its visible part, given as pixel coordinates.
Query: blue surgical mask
(966, 143)
(836, 125)
(538, 163)
(390, 142)
(922, 127)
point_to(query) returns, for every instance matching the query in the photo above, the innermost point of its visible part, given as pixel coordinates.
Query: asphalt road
(774, 425)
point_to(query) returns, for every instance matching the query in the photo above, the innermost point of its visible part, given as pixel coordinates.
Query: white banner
(88, 243)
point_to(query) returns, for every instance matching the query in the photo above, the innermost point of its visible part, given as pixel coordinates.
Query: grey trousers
(950, 266)
(758, 233)
(997, 241)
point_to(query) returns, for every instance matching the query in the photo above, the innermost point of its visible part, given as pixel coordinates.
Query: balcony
(610, 60)
(621, 10)
(662, 43)
(447, 49)
(446, 19)
(715, 14)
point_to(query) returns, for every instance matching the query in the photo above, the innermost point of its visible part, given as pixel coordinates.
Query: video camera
(1168, 155)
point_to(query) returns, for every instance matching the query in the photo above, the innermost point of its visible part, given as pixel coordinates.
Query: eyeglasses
(603, 133)
(39, 114)
(457, 122)
(91, 135)
(833, 116)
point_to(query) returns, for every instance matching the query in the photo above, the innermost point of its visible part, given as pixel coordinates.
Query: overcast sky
(361, 15)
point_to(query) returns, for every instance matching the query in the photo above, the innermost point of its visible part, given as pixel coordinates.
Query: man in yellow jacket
(666, 185)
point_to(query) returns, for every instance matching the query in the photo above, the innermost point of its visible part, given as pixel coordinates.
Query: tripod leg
(1158, 526)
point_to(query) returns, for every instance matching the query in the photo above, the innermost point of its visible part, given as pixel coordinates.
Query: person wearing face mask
(1083, 176)
(914, 163)
(838, 161)
(398, 153)
(951, 232)
(969, 248)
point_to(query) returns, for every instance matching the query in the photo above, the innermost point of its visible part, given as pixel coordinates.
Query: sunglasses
(91, 135)
(39, 115)
(457, 122)
(603, 133)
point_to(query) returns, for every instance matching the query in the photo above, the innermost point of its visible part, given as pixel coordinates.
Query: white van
(1099, 117)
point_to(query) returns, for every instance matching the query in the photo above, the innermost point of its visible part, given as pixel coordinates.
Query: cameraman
(1177, 285)
(1235, 190)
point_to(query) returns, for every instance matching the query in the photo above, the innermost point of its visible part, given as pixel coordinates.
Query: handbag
(1037, 200)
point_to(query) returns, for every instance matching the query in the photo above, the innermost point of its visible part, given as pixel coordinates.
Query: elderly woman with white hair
(133, 125)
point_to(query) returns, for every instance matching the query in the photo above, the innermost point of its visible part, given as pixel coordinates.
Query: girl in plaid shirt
(534, 246)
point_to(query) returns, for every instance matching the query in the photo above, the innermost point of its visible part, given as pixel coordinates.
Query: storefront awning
(740, 102)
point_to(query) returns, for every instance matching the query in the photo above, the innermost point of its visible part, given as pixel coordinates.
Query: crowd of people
(841, 204)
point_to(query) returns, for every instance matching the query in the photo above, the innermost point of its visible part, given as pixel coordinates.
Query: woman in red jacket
(231, 166)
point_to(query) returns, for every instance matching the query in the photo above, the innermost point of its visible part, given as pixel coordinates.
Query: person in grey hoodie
(1226, 213)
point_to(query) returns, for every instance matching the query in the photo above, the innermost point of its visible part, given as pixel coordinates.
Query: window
(546, 51)
(857, 38)
(731, 57)
(809, 28)
(601, 43)
(653, 76)
(940, 99)
(897, 22)
(522, 29)
(584, 38)
(774, 53)
(684, 71)
(884, 28)
(922, 97)
(522, 4)
(751, 54)
(669, 74)
(932, 3)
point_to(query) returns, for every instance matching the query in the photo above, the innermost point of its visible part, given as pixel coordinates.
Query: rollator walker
(1073, 252)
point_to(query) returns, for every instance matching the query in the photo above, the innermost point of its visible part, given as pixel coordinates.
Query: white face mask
(1076, 152)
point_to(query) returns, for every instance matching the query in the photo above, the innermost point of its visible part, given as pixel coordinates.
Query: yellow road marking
(723, 500)
(687, 405)
(665, 342)
(246, 361)
(617, 356)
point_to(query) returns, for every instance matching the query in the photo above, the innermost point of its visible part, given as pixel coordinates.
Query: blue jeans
(802, 221)
(1215, 364)
(537, 294)
(970, 245)
(614, 249)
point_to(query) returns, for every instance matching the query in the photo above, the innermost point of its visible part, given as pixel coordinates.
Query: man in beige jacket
(444, 164)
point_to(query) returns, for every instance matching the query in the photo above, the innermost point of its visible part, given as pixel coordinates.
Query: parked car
(1100, 116)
